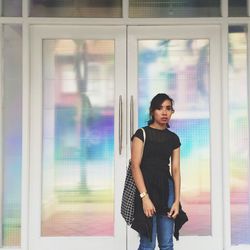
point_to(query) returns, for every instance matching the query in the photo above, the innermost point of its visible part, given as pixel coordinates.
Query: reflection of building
(179, 66)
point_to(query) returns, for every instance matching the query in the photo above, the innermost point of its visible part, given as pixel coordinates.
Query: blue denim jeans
(163, 228)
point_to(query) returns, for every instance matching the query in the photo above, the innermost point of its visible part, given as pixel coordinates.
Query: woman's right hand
(148, 206)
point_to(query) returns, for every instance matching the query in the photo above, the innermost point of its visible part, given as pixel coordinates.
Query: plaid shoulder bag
(128, 196)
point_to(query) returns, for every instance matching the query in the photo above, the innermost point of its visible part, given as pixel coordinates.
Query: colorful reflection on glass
(239, 136)
(180, 68)
(78, 138)
(12, 134)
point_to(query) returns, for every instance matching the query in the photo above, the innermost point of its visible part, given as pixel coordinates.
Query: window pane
(180, 68)
(174, 8)
(239, 136)
(78, 138)
(11, 8)
(12, 134)
(237, 8)
(76, 8)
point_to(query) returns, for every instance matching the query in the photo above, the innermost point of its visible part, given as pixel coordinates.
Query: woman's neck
(158, 126)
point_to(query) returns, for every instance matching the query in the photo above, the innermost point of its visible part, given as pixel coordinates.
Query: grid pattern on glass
(180, 68)
(12, 134)
(237, 8)
(11, 8)
(76, 8)
(174, 8)
(78, 138)
(239, 136)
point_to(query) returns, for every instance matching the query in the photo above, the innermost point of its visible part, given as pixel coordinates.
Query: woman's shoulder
(140, 130)
(139, 134)
(175, 138)
(172, 133)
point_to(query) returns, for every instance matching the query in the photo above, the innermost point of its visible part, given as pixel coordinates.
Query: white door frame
(211, 32)
(38, 33)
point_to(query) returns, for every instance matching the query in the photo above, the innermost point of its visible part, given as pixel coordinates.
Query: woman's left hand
(174, 210)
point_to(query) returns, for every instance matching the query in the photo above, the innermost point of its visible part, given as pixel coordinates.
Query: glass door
(184, 63)
(77, 147)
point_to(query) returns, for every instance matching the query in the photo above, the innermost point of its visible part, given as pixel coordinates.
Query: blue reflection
(96, 138)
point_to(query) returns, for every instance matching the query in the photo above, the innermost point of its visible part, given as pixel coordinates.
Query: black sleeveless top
(155, 161)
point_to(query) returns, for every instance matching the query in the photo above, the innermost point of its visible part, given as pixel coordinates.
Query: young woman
(158, 191)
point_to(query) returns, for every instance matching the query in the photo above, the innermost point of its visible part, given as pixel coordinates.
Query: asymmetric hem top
(155, 161)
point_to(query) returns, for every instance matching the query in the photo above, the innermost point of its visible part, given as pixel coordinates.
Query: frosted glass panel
(78, 138)
(237, 8)
(174, 8)
(11, 8)
(76, 8)
(239, 136)
(180, 68)
(12, 134)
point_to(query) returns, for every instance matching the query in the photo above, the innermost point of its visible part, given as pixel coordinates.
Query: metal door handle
(131, 116)
(120, 124)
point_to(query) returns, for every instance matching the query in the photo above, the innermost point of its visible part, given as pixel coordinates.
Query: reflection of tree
(84, 108)
(202, 70)
(164, 47)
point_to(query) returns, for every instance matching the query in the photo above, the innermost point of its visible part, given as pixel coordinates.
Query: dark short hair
(156, 103)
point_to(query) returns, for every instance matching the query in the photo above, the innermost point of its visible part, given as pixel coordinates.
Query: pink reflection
(198, 220)
(198, 208)
(89, 220)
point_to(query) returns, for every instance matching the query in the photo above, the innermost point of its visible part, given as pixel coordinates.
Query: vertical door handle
(120, 124)
(131, 116)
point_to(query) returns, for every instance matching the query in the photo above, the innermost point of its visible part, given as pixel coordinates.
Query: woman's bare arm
(176, 173)
(136, 156)
(175, 170)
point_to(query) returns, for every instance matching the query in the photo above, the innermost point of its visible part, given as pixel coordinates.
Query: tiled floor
(88, 219)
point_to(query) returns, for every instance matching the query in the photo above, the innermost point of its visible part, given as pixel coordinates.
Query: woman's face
(163, 114)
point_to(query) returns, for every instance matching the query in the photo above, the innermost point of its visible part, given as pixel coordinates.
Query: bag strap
(144, 137)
